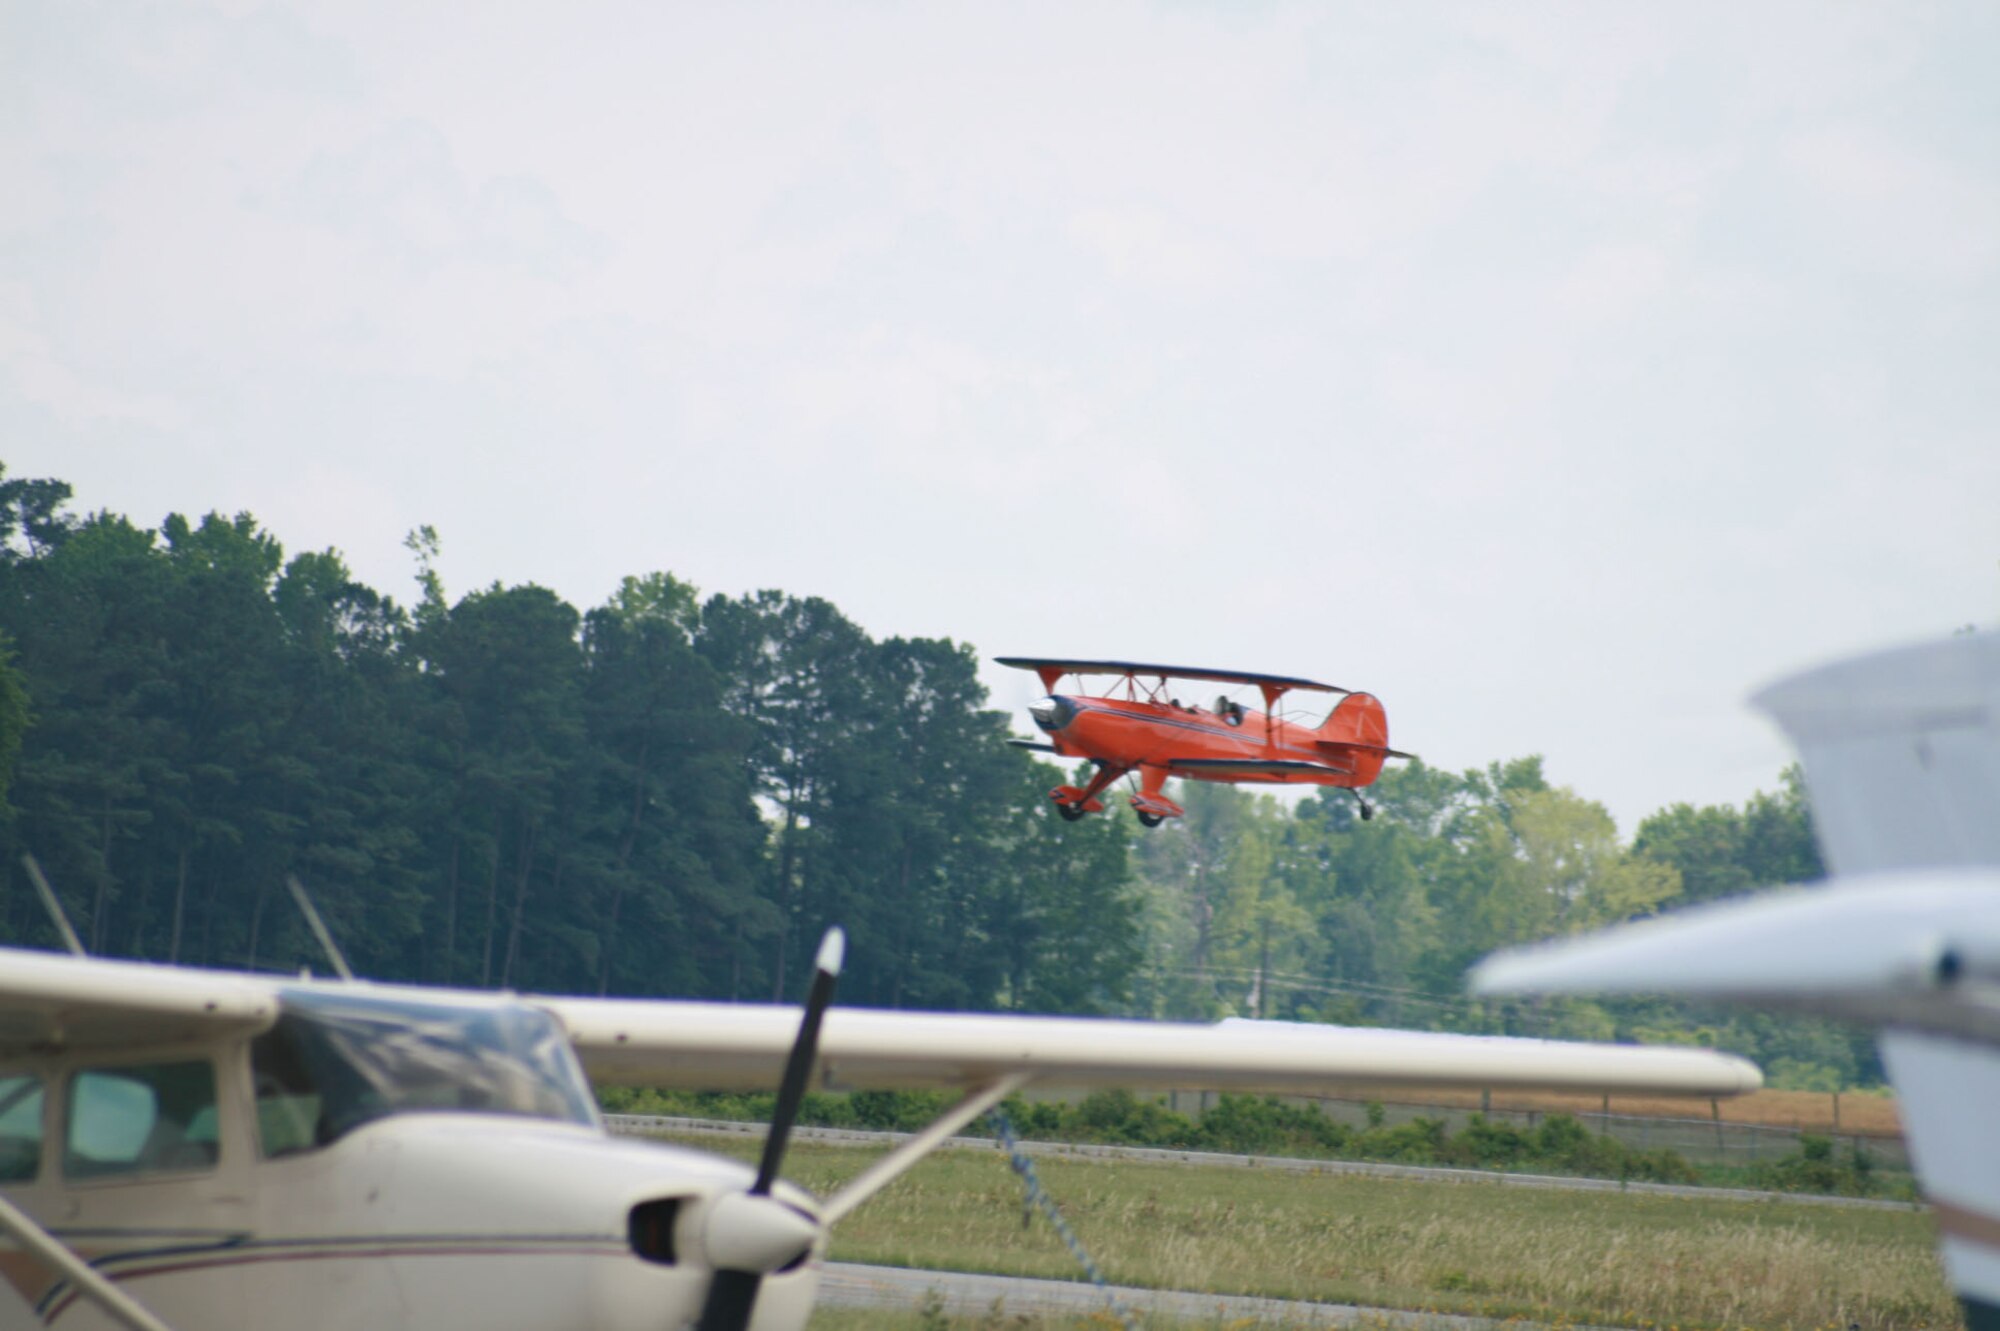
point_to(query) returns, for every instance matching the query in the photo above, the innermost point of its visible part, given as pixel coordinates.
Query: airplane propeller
(749, 1234)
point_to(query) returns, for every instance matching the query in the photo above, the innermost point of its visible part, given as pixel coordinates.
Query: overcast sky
(1560, 373)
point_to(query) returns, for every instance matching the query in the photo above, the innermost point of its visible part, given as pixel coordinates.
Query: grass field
(1560, 1257)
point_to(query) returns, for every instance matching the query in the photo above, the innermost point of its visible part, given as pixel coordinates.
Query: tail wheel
(1070, 812)
(1150, 819)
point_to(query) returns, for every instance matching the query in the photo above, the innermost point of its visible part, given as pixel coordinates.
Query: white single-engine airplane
(1902, 756)
(226, 1152)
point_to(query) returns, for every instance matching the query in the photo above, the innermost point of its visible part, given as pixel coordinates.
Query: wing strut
(53, 906)
(892, 1166)
(119, 1306)
(1272, 691)
(306, 908)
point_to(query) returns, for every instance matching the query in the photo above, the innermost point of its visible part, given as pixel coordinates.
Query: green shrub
(1817, 1167)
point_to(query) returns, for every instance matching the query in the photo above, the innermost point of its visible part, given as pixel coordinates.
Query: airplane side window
(143, 1118)
(20, 1128)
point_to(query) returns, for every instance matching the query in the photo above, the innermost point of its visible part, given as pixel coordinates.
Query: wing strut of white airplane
(898, 1161)
(1902, 756)
(115, 1302)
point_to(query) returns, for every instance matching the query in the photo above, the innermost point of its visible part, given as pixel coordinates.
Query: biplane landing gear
(1152, 807)
(1367, 810)
(1072, 802)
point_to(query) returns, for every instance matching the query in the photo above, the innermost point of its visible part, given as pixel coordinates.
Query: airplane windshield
(334, 1061)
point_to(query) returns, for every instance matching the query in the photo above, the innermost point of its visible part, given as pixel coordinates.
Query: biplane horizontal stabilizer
(1032, 744)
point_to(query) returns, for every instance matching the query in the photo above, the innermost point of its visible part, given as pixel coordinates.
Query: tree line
(672, 794)
(661, 795)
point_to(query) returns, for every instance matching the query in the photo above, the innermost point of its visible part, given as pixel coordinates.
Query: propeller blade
(798, 1068)
(731, 1296)
(732, 1292)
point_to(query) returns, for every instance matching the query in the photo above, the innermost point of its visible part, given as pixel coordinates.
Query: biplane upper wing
(1051, 668)
(722, 1046)
(50, 1001)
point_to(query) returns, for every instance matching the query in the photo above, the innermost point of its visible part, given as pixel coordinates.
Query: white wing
(48, 1000)
(1895, 949)
(721, 1046)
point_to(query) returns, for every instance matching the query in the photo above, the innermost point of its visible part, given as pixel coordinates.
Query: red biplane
(1139, 727)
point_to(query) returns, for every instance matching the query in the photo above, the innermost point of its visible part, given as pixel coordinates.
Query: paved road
(846, 1285)
(640, 1124)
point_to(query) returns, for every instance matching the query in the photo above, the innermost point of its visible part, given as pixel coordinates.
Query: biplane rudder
(1357, 730)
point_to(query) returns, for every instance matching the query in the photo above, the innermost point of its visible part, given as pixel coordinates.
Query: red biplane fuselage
(1139, 727)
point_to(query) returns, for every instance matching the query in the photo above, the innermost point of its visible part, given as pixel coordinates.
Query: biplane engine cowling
(1052, 713)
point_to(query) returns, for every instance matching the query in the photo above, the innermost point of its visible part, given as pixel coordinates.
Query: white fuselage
(418, 1220)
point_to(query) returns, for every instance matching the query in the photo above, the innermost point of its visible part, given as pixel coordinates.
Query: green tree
(1066, 914)
(795, 671)
(1574, 871)
(676, 838)
(510, 670)
(14, 717)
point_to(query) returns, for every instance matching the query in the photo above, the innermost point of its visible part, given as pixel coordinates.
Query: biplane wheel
(1150, 819)
(1070, 812)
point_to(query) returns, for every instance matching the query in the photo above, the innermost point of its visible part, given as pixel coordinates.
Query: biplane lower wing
(727, 1045)
(1247, 769)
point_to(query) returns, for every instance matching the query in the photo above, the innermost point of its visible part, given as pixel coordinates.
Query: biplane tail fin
(1356, 732)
